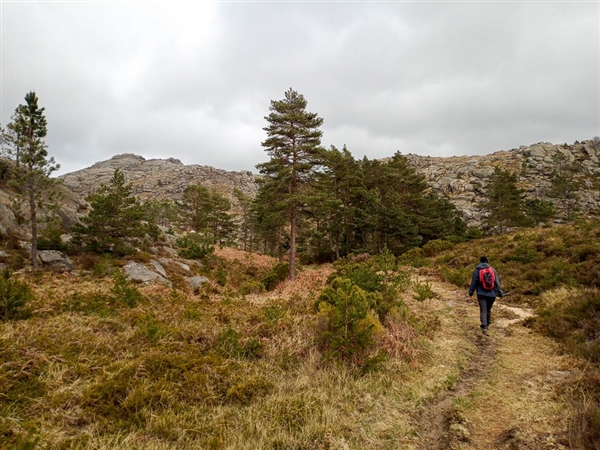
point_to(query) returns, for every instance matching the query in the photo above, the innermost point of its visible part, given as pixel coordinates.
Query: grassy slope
(222, 370)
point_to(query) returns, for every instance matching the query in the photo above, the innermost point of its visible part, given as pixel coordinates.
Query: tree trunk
(33, 214)
(279, 245)
(293, 243)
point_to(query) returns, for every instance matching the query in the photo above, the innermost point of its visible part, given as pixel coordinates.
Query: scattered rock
(196, 282)
(141, 274)
(55, 260)
(157, 267)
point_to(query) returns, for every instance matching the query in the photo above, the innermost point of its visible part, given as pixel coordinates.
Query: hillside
(462, 179)
(159, 179)
(228, 366)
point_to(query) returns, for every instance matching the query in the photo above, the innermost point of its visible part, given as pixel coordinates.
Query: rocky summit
(159, 179)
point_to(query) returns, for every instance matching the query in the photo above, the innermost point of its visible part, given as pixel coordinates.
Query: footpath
(509, 394)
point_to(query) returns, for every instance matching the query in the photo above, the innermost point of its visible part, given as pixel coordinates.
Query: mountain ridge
(462, 179)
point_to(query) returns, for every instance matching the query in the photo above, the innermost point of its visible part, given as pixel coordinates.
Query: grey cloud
(194, 82)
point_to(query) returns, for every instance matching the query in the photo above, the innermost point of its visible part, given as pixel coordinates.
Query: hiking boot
(485, 331)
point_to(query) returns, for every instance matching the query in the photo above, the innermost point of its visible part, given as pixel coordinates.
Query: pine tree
(505, 202)
(293, 139)
(341, 189)
(114, 224)
(268, 217)
(25, 135)
(207, 211)
(245, 221)
(565, 185)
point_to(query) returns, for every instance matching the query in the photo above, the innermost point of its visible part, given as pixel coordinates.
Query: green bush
(436, 246)
(423, 291)
(104, 267)
(347, 330)
(363, 274)
(525, 253)
(575, 322)
(252, 287)
(194, 246)
(458, 277)
(415, 257)
(278, 273)
(14, 296)
(123, 292)
(229, 345)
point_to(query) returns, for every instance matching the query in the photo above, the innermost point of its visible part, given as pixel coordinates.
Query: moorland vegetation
(321, 330)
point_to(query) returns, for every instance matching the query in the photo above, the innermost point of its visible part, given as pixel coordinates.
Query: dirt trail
(506, 397)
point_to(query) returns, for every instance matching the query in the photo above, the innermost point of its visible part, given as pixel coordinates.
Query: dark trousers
(485, 309)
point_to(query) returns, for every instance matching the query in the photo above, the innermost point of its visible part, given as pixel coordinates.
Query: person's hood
(482, 265)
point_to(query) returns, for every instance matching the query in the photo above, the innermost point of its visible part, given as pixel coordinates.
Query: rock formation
(463, 179)
(159, 179)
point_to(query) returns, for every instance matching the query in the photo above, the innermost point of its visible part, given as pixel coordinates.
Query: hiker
(486, 283)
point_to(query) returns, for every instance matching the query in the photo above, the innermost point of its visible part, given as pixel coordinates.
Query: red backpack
(487, 278)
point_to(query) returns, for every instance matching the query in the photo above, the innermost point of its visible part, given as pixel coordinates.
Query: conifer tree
(565, 186)
(268, 217)
(25, 135)
(244, 203)
(114, 224)
(341, 189)
(293, 139)
(207, 211)
(505, 202)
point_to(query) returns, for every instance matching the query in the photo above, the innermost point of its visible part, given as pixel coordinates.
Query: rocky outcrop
(463, 179)
(159, 179)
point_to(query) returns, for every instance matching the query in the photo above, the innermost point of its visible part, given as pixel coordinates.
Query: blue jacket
(477, 287)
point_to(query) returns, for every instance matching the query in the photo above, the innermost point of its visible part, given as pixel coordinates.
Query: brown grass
(226, 370)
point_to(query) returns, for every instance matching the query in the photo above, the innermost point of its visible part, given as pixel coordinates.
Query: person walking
(486, 283)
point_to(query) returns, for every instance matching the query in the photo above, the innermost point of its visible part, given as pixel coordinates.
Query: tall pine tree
(293, 140)
(505, 202)
(27, 131)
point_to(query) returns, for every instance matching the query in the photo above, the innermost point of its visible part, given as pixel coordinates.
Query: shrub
(436, 246)
(104, 267)
(347, 330)
(575, 322)
(458, 277)
(194, 246)
(525, 253)
(278, 273)
(123, 292)
(230, 346)
(414, 257)
(423, 291)
(14, 296)
(363, 274)
(151, 328)
(252, 287)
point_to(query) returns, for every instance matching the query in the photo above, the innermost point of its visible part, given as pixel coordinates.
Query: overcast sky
(194, 80)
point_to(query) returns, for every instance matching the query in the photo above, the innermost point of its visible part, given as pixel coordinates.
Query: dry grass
(231, 371)
(85, 373)
(262, 262)
(518, 405)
